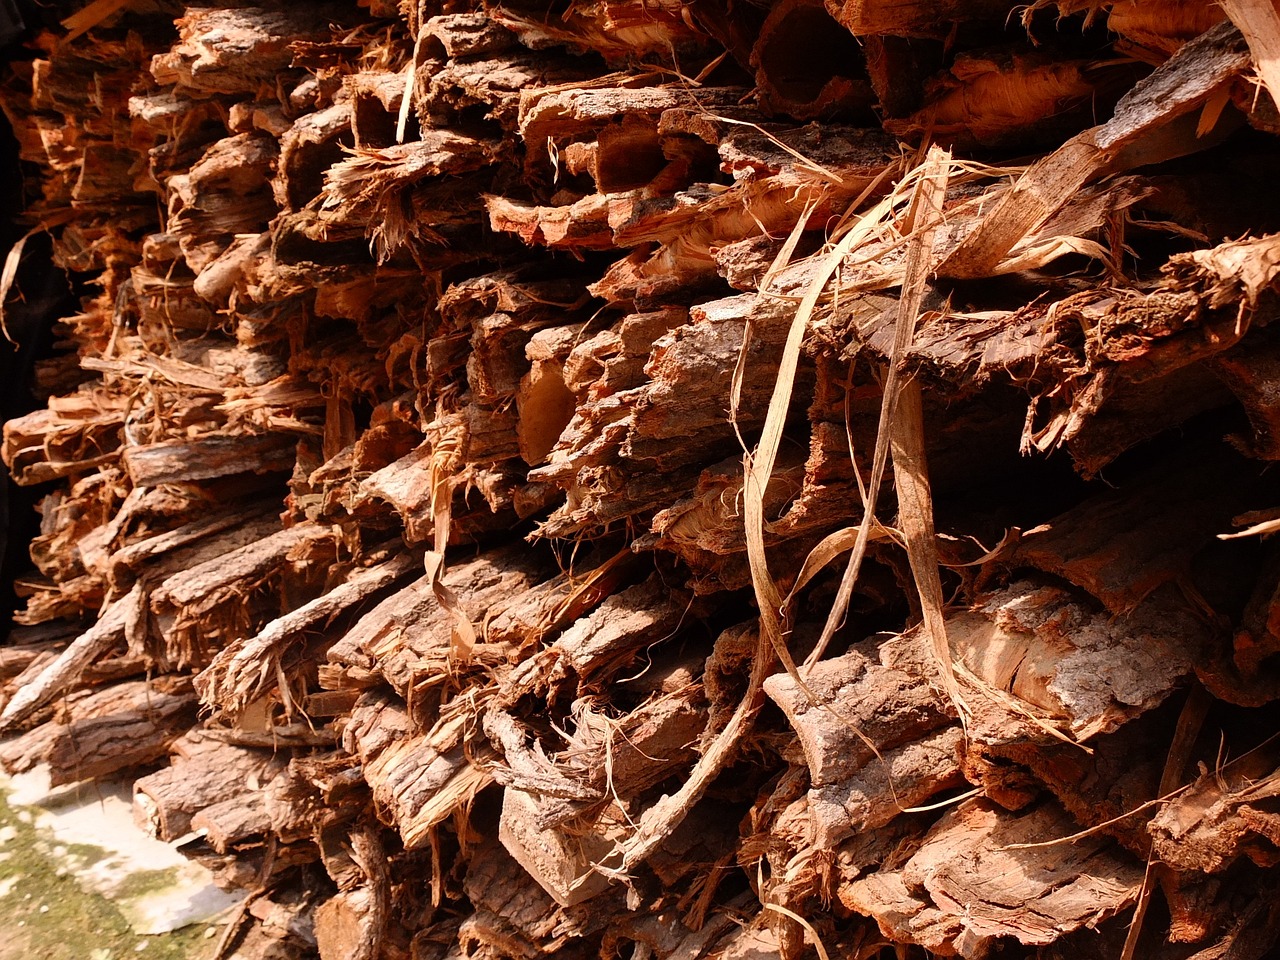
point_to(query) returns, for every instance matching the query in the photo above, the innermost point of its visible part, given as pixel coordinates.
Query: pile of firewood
(658, 479)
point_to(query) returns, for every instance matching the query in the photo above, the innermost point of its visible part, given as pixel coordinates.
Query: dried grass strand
(808, 927)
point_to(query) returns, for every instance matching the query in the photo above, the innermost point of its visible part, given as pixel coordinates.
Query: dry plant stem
(1139, 913)
(9, 272)
(759, 467)
(659, 820)
(89, 17)
(830, 547)
(925, 210)
(1163, 798)
(808, 927)
(774, 610)
(1183, 83)
(915, 515)
(406, 98)
(1259, 21)
(740, 368)
(664, 816)
(442, 479)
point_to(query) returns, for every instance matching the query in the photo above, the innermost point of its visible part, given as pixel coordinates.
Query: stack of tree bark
(456, 479)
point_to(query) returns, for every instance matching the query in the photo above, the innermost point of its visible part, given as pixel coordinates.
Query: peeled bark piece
(339, 931)
(376, 99)
(771, 184)
(899, 68)
(687, 393)
(199, 585)
(184, 546)
(612, 132)
(169, 302)
(403, 485)
(545, 406)
(245, 669)
(496, 85)
(962, 889)
(515, 918)
(238, 50)
(107, 732)
(1154, 31)
(73, 433)
(527, 619)
(315, 792)
(608, 638)
(216, 597)
(900, 779)
(1033, 650)
(67, 668)
(175, 461)
(1224, 815)
(407, 636)
(526, 764)
(499, 344)
(1014, 762)
(561, 863)
(203, 772)
(464, 35)
(418, 779)
(353, 924)
(853, 789)
(32, 652)
(583, 225)
(1122, 408)
(419, 787)
(1143, 130)
(232, 821)
(850, 694)
(1144, 371)
(1126, 543)
(807, 67)
(226, 194)
(1232, 272)
(1003, 99)
(613, 28)
(690, 374)
(371, 189)
(926, 18)
(313, 144)
(625, 756)
(604, 758)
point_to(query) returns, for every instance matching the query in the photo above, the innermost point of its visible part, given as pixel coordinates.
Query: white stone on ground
(101, 815)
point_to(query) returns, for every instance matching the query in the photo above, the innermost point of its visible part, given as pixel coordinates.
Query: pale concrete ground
(78, 881)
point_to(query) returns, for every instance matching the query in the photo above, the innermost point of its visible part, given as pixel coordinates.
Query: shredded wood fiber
(665, 480)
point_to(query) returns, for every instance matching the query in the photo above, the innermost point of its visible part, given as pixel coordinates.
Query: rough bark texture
(397, 535)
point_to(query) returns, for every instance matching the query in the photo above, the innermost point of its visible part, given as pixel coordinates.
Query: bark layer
(397, 535)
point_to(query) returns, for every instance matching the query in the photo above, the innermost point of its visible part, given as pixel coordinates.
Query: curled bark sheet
(963, 889)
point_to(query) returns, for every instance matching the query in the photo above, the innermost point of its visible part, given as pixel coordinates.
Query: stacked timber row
(456, 480)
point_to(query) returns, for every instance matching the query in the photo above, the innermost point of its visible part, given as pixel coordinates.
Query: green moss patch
(47, 915)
